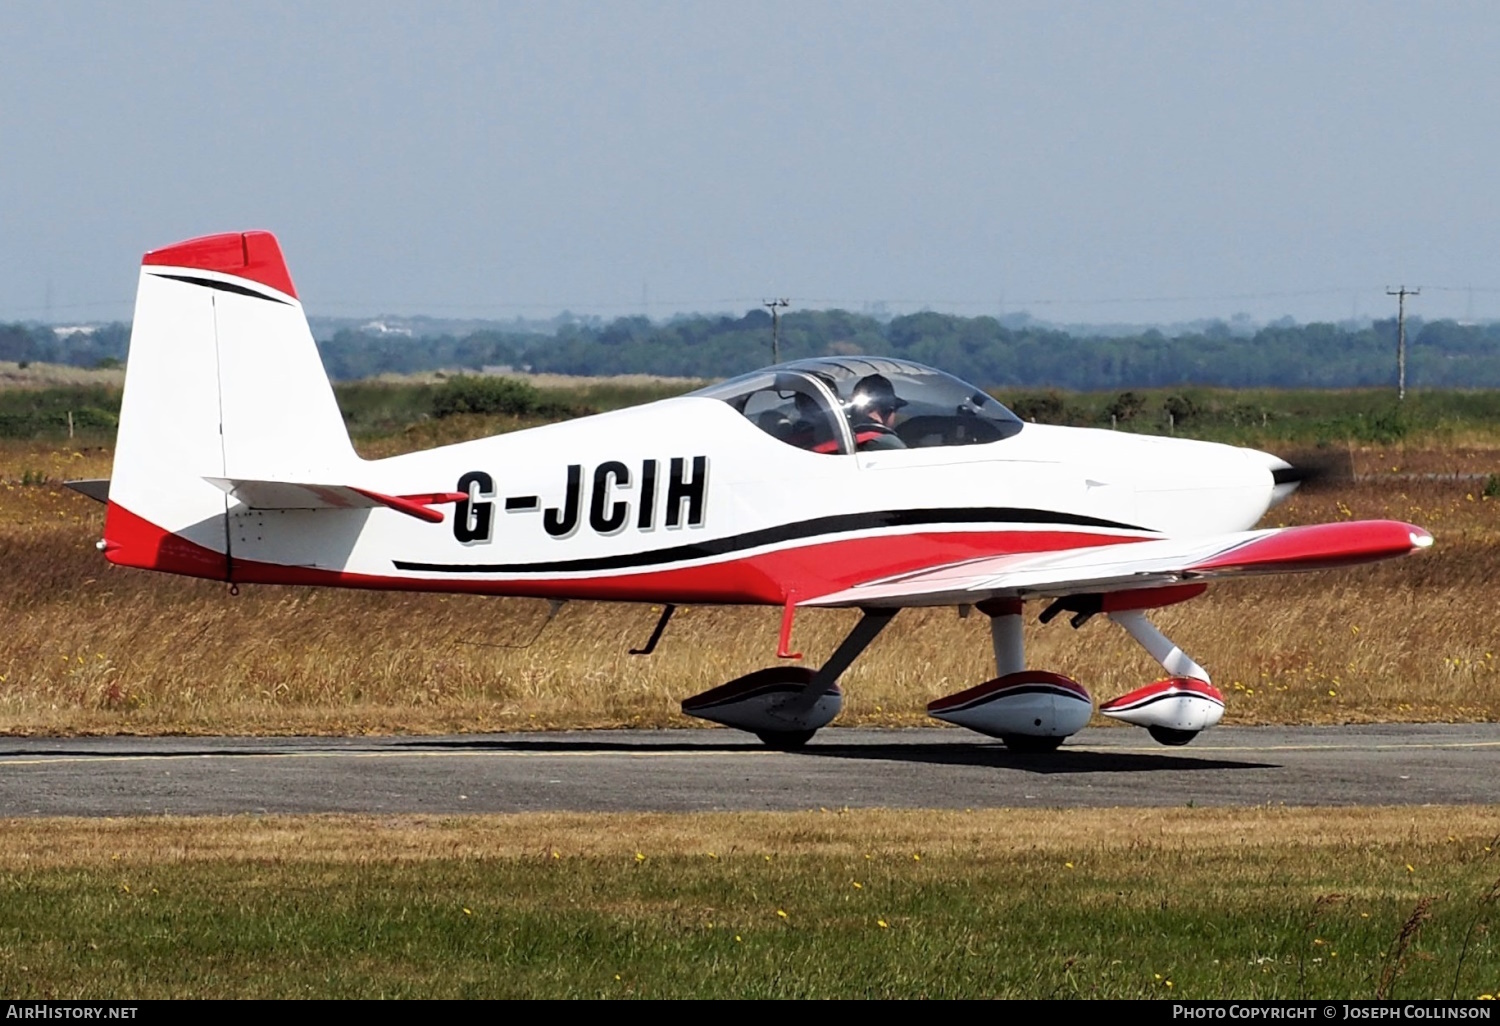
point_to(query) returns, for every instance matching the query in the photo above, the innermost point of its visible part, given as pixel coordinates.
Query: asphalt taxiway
(700, 770)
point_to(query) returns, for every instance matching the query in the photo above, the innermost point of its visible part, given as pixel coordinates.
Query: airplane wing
(292, 495)
(1130, 566)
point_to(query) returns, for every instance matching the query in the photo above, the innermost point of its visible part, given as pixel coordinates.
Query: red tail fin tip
(252, 255)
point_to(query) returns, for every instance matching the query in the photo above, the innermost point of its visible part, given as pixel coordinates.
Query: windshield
(886, 403)
(791, 406)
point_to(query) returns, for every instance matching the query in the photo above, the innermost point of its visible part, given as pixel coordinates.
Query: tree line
(1441, 354)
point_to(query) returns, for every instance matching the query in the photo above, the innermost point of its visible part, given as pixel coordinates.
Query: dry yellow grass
(61, 843)
(91, 648)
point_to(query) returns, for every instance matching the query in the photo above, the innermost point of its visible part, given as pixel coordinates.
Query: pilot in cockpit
(872, 414)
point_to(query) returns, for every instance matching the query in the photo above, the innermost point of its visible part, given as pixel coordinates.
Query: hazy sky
(1085, 161)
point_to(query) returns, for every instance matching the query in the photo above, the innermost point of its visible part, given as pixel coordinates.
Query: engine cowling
(1183, 704)
(1030, 703)
(757, 702)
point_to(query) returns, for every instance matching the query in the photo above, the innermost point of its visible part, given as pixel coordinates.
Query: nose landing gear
(1173, 710)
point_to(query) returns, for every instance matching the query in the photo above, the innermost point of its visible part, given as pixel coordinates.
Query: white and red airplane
(843, 481)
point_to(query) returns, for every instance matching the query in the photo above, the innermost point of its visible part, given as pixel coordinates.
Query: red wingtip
(253, 255)
(1324, 545)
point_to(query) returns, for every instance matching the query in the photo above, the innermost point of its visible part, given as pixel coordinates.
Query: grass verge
(1194, 903)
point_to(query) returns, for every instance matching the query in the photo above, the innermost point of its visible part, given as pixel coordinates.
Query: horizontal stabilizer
(96, 488)
(1134, 565)
(297, 495)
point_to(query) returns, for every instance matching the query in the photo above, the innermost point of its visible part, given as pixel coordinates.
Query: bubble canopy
(840, 404)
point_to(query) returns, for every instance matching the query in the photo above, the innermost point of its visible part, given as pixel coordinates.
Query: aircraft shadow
(949, 754)
(983, 754)
(544, 746)
(1060, 761)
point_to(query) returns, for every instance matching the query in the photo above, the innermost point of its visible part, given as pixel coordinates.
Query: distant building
(382, 328)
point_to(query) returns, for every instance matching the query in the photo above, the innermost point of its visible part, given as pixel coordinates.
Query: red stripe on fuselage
(764, 578)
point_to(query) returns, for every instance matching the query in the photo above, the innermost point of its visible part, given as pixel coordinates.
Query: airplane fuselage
(686, 500)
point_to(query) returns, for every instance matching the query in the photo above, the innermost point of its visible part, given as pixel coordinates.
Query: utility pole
(776, 306)
(1401, 295)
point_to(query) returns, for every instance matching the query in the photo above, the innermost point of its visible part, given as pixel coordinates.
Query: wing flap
(299, 495)
(1135, 565)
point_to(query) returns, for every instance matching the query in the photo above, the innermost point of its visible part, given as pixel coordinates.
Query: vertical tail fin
(223, 381)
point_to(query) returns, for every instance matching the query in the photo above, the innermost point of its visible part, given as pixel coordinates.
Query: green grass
(1272, 417)
(1146, 922)
(43, 412)
(1268, 418)
(371, 408)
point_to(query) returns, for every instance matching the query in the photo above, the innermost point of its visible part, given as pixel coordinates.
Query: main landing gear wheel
(764, 703)
(1030, 743)
(1168, 736)
(785, 740)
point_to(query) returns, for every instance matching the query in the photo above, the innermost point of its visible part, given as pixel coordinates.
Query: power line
(1401, 295)
(775, 306)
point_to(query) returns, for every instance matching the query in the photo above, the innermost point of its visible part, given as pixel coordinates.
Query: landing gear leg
(1006, 634)
(1009, 641)
(870, 624)
(826, 678)
(1173, 659)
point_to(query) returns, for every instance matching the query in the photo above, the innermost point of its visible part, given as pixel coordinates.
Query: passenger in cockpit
(810, 428)
(872, 414)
